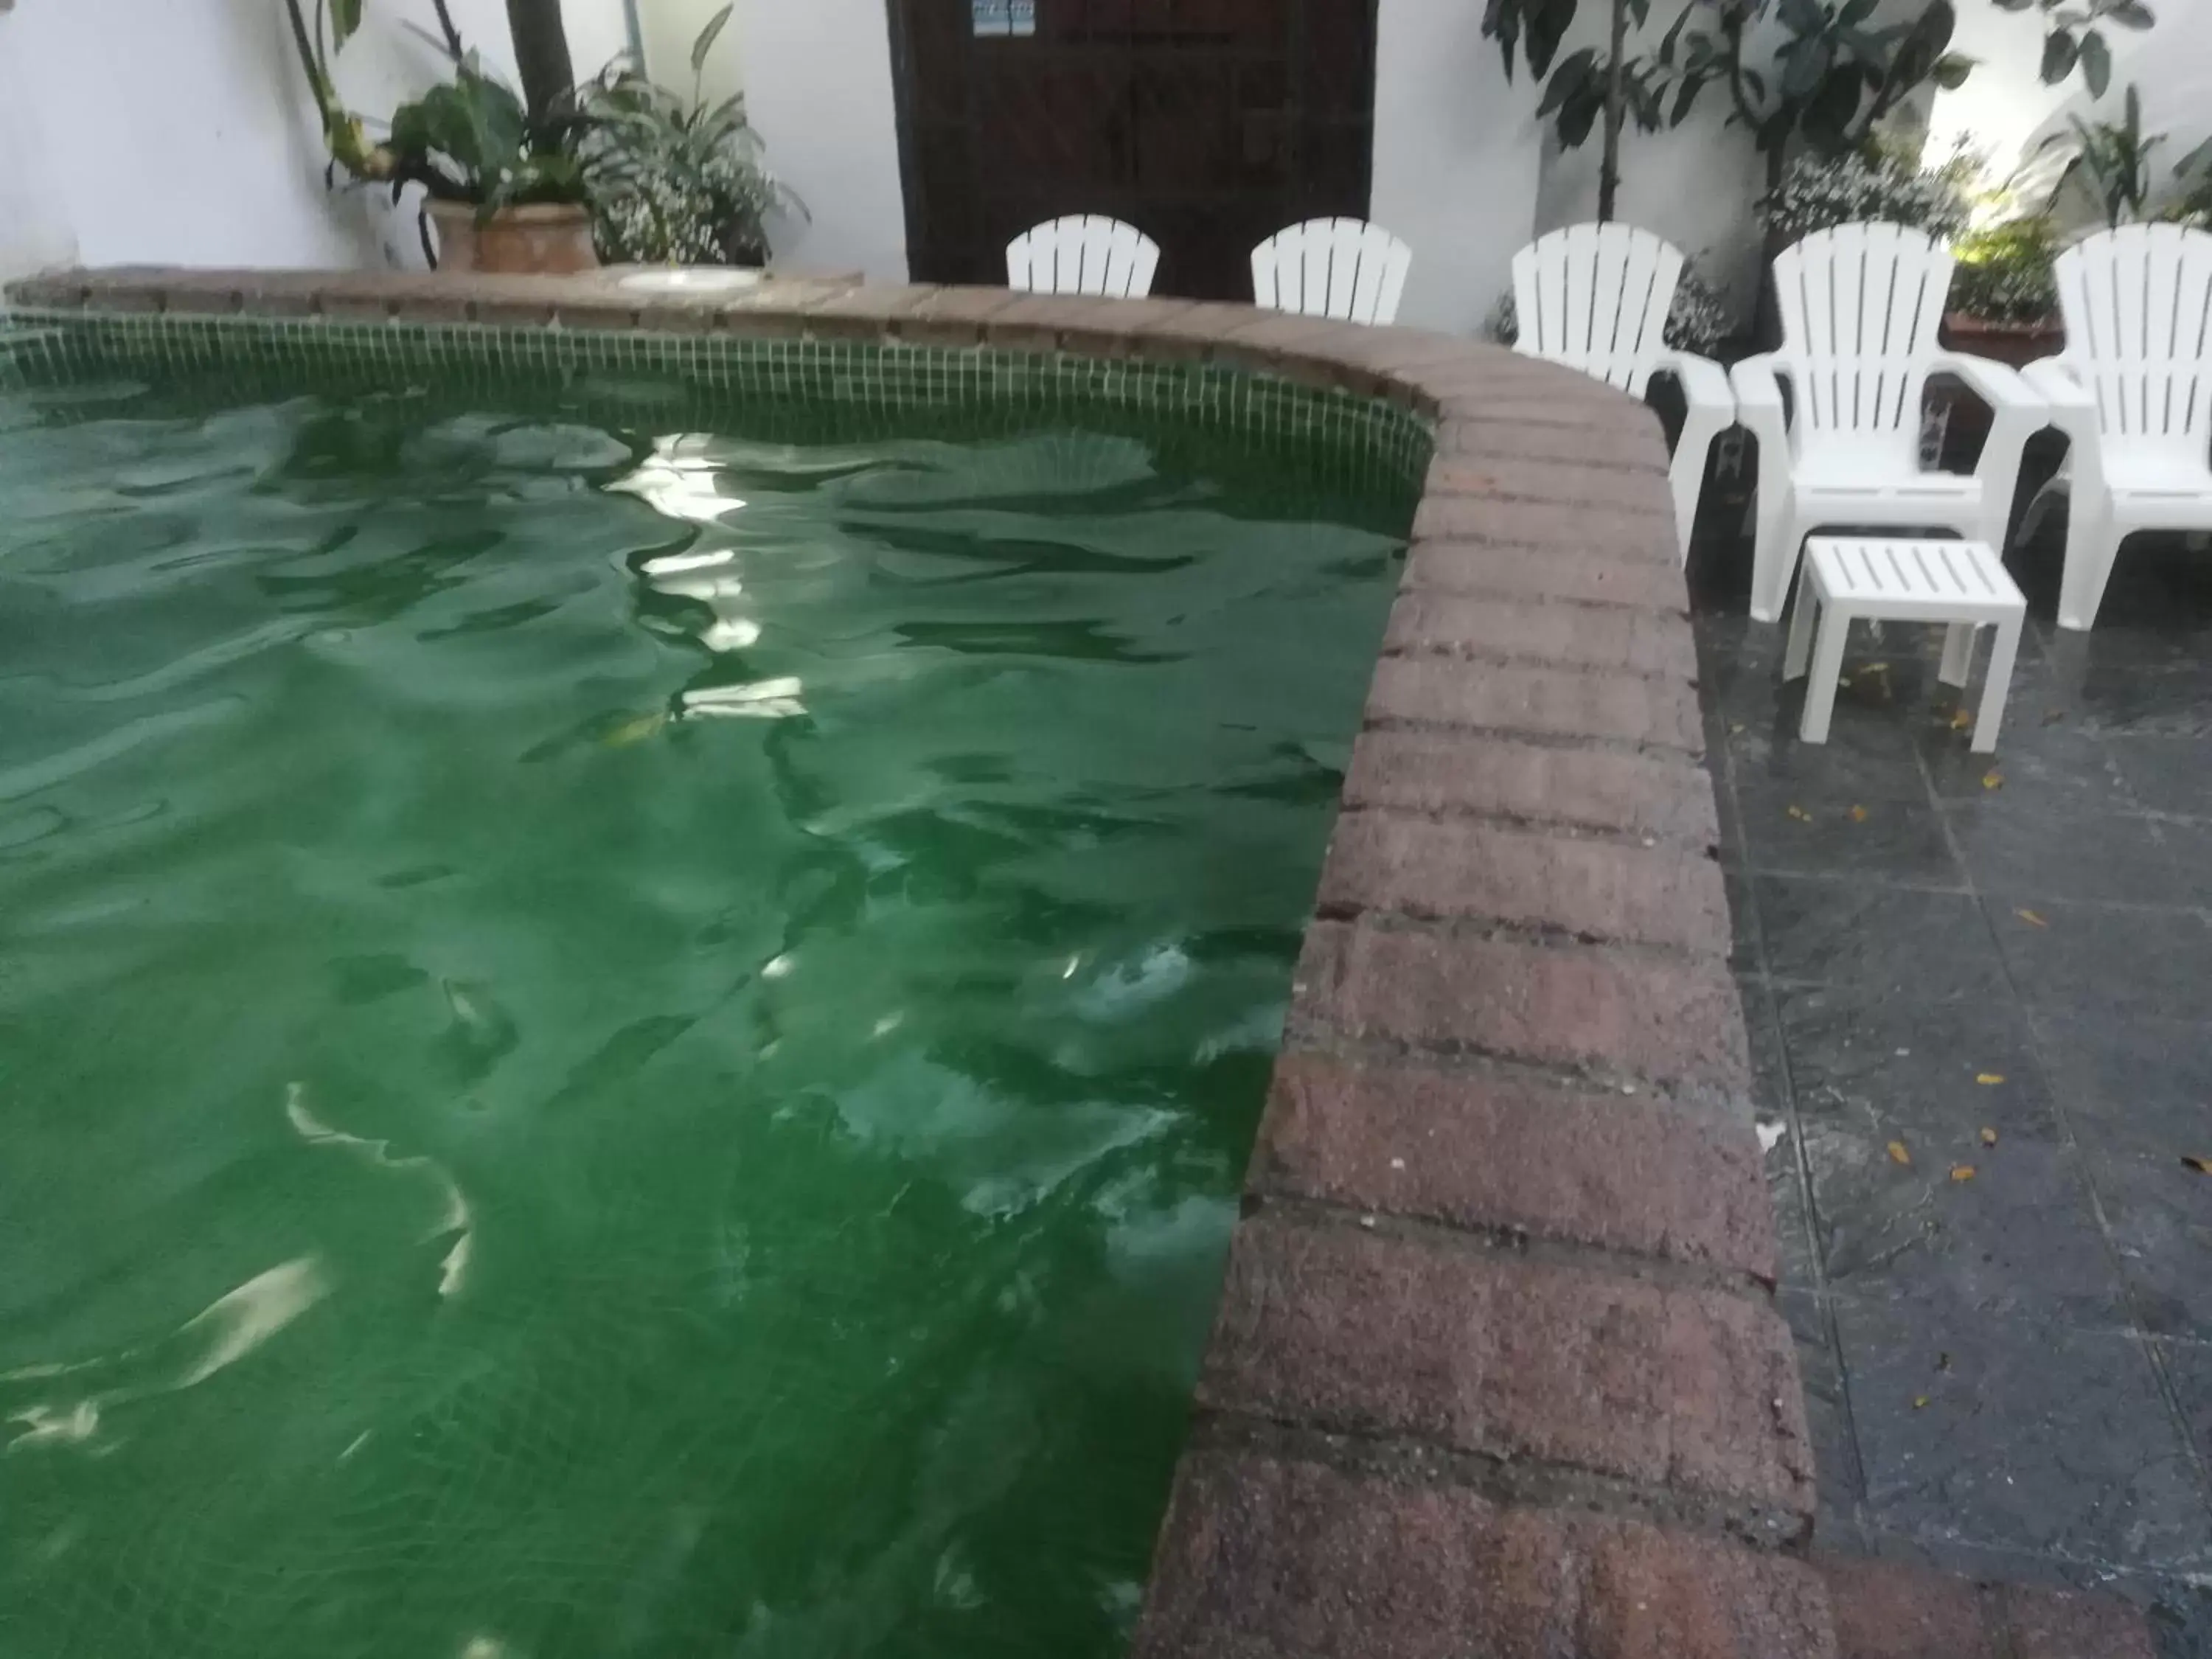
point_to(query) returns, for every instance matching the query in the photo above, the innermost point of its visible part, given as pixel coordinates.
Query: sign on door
(1003, 17)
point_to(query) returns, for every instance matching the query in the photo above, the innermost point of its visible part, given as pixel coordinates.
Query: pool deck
(1499, 1366)
(1997, 965)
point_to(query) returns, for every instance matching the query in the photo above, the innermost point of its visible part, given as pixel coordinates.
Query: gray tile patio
(1980, 995)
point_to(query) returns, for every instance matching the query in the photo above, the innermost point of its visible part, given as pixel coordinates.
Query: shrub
(2003, 274)
(1817, 193)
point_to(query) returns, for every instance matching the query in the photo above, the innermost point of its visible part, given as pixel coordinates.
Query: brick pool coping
(1498, 1368)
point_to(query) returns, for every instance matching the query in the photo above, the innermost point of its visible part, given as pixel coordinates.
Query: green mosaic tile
(818, 389)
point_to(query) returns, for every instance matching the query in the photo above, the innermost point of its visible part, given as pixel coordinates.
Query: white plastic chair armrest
(1759, 408)
(2073, 410)
(1704, 382)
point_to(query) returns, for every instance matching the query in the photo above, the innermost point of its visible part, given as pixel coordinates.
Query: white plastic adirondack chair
(1084, 253)
(1347, 269)
(2133, 391)
(1594, 297)
(1860, 305)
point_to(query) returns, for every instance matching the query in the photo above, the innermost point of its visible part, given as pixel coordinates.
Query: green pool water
(618, 1044)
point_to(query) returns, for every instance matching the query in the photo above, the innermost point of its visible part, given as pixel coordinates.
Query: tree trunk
(541, 52)
(1608, 169)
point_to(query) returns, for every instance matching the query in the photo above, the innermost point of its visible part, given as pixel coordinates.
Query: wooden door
(1209, 124)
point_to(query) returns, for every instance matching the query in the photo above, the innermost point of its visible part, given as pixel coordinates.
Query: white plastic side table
(1962, 584)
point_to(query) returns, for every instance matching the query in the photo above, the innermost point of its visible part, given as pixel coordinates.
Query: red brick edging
(1498, 1369)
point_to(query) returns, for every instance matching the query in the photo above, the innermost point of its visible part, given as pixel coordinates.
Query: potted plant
(2004, 299)
(675, 180)
(505, 189)
(1818, 193)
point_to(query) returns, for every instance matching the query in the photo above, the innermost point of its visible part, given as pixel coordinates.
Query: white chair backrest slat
(1860, 305)
(1084, 253)
(2137, 304)
(1595, 298)
(1344, 269)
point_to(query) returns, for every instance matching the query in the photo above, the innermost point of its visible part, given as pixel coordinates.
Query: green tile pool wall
(795, 388)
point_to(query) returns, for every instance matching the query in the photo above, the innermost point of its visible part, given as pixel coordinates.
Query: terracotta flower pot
(2015, 344)
(551, 240)
(1961, 423)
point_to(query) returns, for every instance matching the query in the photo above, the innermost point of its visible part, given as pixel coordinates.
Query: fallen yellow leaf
(2202, 1165)
(1898, 1154)
(1989, 1137)
(1876, 668)
(1800, 815)
(1961, 720)
(1858, 815)
(2030, 919)
(1992, 780)
(1962, 1172)
(1919, 1402)
(1986, 1078)
(1735, 728)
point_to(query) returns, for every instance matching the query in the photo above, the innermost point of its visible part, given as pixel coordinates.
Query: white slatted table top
(1912, 579)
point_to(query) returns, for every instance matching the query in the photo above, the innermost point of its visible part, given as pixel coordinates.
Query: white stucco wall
(668, 27)
(180, 132)
(818, 88)
(1455, 158)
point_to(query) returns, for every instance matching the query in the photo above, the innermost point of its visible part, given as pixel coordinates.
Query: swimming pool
(617, 1037)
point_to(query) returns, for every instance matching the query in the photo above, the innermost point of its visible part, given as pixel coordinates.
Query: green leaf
(708, 35)
(1501, 21)
(1666, 41)
(2013, 5)
(2129, 14)
(1568, 80)
(1804, 67)
(1856, 11)
(1640, 10)
(2096, 63)
(345, 18)
(1576, 119)
(2060, 53)
(1803, 17)
(1683, 100)
(1951, 69)
(1829, 113)
(1548, 21)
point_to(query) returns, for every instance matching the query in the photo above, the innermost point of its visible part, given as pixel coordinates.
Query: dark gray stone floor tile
(2138, 699)
(1868, 751)
(2019, 1434)
(2106, 960)
(2166, 774)
(1793, 1218)
(1827, 1412)
(1833, 825)
(2159, 1214)
(1886, 1060)
(2034, 756)
(1849, 931)
(2187, 845)
(2018, 1236)
(2057, 843)
(2130, 1085)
